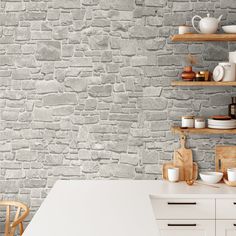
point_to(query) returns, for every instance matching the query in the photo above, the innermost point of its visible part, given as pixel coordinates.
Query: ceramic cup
(231, 174)
(173, 174)
(184, 29)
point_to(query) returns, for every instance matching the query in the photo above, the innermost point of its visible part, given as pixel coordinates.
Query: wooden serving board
(225, 158)
(183, 159)
(168, 165)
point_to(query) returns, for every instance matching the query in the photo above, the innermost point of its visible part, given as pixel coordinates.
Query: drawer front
(225, 227)
(186, 227)
(226, 209)
(183, 208)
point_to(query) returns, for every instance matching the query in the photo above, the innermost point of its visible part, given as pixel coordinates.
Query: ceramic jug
(207, 25)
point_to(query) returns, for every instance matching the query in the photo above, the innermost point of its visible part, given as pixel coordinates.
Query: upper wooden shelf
(202, 83)
(179, 130)
(203, 37)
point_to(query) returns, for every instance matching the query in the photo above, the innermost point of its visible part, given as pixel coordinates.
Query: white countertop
(113, 207)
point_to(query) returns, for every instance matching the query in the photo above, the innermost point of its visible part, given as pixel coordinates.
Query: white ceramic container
(207, 25)
(199, 123)
(230, 29)
(225, 72)
(187, 121)
(173, 174)
(211, 177)
(184, 29)
(231, 174)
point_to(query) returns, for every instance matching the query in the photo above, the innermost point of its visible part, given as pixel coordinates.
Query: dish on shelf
(229, 183)
(211, 177)
(230, 29)
(221, 124)
(220, 117)
(220, 127)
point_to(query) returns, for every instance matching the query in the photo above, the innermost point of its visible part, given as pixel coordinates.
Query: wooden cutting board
(183, 158)
(225, 158)
(168, 165)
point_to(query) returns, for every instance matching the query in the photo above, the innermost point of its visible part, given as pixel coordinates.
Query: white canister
(173, 174)
(231, 174)
(229, 71)
(232, 57)
(184, 29)
(187, 121)
(200, 123)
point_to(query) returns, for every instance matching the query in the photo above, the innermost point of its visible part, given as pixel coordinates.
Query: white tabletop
(105, 208)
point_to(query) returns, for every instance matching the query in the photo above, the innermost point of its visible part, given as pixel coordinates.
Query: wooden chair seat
(21, 213)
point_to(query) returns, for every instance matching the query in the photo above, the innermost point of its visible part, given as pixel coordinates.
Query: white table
(108, 208)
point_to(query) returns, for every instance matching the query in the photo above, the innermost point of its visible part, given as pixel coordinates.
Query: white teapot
(207, 25)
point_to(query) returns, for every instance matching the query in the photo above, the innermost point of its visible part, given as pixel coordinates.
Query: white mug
(173, 174)
(231, 174)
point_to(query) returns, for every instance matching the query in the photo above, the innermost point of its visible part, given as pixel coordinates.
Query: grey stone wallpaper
(85, 90)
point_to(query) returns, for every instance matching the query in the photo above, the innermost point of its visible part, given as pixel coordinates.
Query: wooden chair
(22, 212)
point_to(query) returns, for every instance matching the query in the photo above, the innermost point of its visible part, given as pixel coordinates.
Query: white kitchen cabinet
(225, 227)
(186, 227)
(184, 208)
(225, 209)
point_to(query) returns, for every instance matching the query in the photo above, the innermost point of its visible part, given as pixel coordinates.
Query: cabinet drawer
(225, 209)
(225, 227)
(186, 227)
(183, 208)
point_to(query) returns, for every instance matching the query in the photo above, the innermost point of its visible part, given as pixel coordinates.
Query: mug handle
(193, 22)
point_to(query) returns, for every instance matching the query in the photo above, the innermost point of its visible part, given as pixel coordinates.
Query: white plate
(222, 122)
(218, 73)
(220, 127)
(230, 29)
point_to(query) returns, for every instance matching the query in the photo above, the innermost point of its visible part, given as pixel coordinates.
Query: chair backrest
(21, 213)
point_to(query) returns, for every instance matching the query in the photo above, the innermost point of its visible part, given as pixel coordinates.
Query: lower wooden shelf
(202, 83)
(179, 130)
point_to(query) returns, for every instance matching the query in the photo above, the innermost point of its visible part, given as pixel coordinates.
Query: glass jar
(232, 108)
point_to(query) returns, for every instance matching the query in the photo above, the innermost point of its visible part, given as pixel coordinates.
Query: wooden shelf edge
(203, 37)
(179, 130)
(203, 84)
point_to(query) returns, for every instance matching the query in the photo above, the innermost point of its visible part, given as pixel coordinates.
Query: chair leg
(21, 228)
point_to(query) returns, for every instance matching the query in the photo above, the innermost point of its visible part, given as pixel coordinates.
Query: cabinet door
(225, 227)
(186, 227)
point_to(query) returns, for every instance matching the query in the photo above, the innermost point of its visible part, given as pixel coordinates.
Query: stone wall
(85, 90)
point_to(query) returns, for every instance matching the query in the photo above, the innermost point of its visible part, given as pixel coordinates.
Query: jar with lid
(232, 108)
(200, 123)
(187, 121)
(200, 76)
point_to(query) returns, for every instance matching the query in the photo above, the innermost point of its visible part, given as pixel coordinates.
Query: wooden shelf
(179, 130)
(202, 83)
(203, 37)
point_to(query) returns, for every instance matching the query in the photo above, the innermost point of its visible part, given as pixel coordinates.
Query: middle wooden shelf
(179, 130)
(202, 83)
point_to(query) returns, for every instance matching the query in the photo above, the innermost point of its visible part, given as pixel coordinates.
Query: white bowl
(211, 177)
(230, 29)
